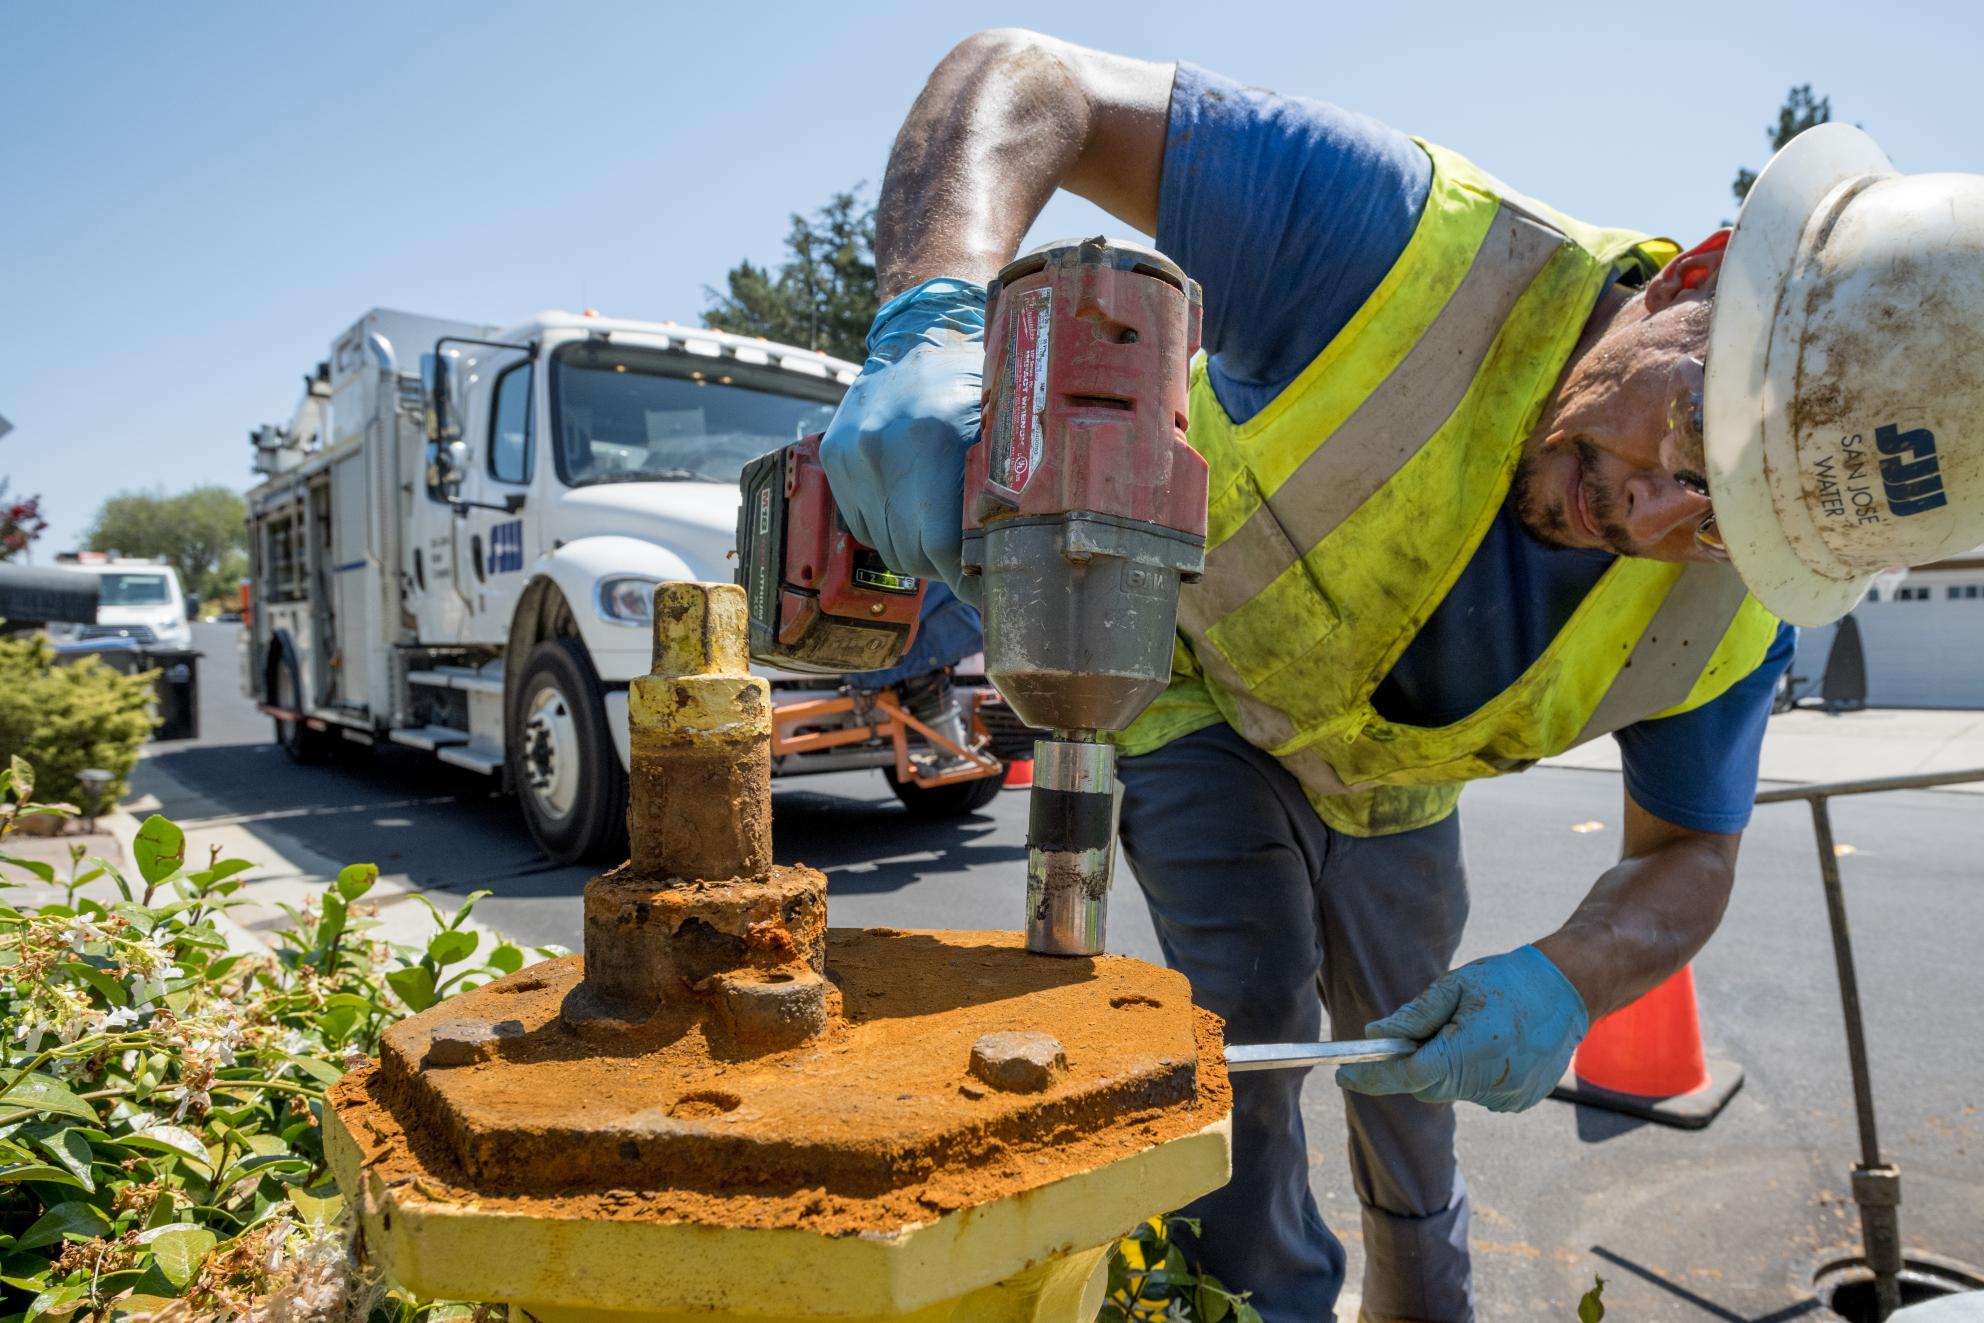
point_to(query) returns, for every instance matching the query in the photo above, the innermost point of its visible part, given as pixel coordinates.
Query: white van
(141, 600)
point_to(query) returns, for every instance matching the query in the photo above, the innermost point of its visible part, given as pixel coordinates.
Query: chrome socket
(1070, 845)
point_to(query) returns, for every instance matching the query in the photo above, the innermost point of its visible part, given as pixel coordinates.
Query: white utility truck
(459, 534)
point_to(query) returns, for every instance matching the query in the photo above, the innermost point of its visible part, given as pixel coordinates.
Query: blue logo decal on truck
(506, 547)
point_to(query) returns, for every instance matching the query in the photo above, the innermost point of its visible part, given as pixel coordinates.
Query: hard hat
(1843, 412)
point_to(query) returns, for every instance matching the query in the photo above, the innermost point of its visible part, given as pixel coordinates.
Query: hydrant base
(438, 1245)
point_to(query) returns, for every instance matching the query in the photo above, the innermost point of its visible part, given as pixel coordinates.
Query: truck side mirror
(447, 461)
(437, 381)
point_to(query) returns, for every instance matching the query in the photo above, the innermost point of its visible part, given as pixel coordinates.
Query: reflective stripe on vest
(1672, 650)
(1390, 425)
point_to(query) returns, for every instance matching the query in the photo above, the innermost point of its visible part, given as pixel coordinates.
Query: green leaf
(446, 948)
(69, 1148)
(140, 918)
(149, 1234)
(334, 919)
(74, 1218)
(1245, 1313)
(264, 1143)
(20, 775)
(55, 1300)
(160, 849)
(321, 1071)
(1214, 1304)
(337, 1023)
(320, 1206)
(269, 1164)
(178, 1254)
(507, 958)
(169, 1139)
(37, 1171)
(106, 987)
(40, 868)
(468, 903)
(39, 1093)
(1591, 1307)
(354, 880)
(414, 985)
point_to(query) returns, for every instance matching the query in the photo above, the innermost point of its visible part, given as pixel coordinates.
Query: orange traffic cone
(1646, 1059)
(1019, 772)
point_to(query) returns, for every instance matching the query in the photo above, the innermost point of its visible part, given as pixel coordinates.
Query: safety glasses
(1707, 535)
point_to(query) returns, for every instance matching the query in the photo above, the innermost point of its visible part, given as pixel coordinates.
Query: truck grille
(136, 633)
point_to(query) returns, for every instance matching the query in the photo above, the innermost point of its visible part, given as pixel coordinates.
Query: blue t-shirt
(1288, 212)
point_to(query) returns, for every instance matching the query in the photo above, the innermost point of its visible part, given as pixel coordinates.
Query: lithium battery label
(1016, 449)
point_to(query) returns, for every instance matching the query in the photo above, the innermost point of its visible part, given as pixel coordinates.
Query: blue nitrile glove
(894, 452)
(1499, 1032)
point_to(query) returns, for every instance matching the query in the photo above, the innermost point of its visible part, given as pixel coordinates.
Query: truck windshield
(627, 414)
(132, 590)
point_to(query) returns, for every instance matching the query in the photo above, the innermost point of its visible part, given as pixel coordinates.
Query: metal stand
(1876, 1184)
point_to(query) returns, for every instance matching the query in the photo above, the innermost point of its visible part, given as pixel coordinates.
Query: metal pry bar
(1277, 1056)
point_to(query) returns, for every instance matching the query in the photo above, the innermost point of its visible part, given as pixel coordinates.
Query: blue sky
(194, 199)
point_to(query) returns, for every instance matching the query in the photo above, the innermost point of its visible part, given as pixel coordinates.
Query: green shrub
(161, 1097)
(65, 718)
(1151, 1281)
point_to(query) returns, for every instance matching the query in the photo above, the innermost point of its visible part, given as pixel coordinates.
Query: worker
(1486, 481)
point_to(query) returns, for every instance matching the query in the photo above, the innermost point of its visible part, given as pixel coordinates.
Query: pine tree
(821, 297)
(1800, 111)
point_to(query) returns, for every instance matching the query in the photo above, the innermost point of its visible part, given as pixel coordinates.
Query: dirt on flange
(873, 1126)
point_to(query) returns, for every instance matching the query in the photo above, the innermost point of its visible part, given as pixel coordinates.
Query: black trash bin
(178, 686)
(120, 654)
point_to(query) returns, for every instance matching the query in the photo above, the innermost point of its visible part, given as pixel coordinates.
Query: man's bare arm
(1007, 118)
(1648, 914)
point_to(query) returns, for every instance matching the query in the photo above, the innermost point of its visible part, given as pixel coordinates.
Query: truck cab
(594, 459)
(460, 531)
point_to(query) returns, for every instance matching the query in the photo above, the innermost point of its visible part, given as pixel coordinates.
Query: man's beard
(1550, 522)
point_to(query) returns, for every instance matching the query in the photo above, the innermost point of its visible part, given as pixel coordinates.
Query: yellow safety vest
(1343, 512)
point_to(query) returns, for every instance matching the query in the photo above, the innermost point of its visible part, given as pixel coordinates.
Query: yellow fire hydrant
(726, 1110)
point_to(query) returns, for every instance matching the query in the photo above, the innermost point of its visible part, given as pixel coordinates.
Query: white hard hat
(1843, 412)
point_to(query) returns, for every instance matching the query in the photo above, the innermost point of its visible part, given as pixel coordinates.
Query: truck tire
(562, 760)
(302, 744)
(951, 801)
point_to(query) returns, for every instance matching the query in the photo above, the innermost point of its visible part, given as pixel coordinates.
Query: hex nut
(1018, 1062)
(465, 1042)
(772, 1010)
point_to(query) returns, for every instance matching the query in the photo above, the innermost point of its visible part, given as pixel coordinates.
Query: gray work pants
(1264, 908)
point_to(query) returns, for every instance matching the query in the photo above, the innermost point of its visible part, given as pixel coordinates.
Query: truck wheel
(562, 759)
(302, 744)
(951, 801)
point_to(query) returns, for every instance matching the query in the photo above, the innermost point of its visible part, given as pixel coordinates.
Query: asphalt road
(1722, 1223)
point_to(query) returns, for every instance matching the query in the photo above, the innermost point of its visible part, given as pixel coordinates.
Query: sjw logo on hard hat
(1910, 475)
